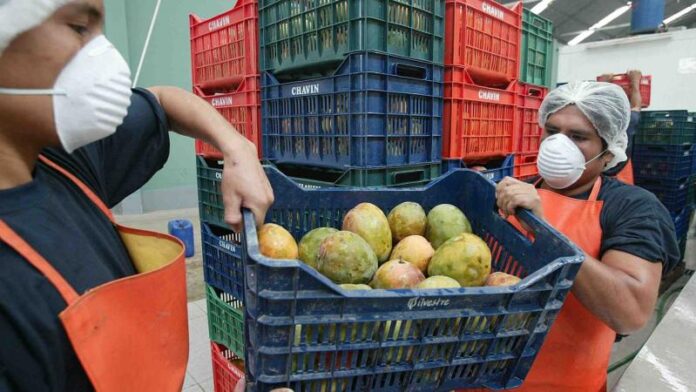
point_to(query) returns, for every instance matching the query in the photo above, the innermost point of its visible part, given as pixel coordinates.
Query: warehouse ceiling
(571, 17)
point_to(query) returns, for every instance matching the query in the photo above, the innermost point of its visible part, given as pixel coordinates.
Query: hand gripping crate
(315, 35)
(242, 108)
(377, 110)
(224, 49)
(306, 333)
(624, 82)
(484, 37)
(479, 123)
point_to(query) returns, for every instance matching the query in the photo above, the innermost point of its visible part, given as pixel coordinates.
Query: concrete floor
(199, 373)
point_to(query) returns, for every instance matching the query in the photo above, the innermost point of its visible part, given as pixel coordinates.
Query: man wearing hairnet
(85, 303)
(626, 233)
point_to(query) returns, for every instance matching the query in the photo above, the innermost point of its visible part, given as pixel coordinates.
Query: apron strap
(595, 189)
(85, 189)
(25, 250)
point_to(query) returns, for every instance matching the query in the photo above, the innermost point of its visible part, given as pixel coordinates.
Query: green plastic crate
(225, 320)
(536, 57)
(405, 176)
(315, 35)
(666, 127)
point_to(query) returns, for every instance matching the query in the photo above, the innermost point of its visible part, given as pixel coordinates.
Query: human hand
(512, 194)
(244, 184)
(607, 77)
(634, 76)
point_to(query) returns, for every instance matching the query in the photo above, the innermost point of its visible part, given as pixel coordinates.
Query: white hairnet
(18, 16)
(604, 104)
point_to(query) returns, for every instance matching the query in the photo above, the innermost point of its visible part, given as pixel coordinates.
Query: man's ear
(608, 156)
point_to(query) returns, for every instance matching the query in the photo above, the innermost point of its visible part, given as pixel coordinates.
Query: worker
(624, 170)
(626, 233)
(86, 304)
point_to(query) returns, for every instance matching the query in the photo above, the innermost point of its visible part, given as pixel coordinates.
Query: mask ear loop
(31, 92)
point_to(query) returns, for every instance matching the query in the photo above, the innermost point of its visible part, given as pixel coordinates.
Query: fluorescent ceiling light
(605, 21)
(539, 8)
(680, 14)
(581, 37)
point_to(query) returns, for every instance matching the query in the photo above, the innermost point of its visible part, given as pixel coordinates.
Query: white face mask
(91, 96)
(560, 161)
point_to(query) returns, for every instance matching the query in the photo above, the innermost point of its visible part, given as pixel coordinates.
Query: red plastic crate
(228, 368)
(529, 99)
(645, 87)
(224, 49)
(485, 37)
(478, 122)
(525, 166)
(241, 108)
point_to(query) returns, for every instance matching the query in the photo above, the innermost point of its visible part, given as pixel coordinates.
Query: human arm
(635, 97)
(244, 183)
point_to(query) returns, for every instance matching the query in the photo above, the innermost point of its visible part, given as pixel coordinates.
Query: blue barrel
(183, 230)
(647, 15)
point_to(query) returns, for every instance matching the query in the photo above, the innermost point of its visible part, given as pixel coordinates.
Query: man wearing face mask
(85, 303)
(626, 233)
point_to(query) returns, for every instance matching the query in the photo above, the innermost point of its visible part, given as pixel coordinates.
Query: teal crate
(536, 57)
(210, 205)
(315, 35)
(225, 320)
(674, 127)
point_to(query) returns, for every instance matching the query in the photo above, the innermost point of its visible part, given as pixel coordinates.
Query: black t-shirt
(634, 221)
(64, 226)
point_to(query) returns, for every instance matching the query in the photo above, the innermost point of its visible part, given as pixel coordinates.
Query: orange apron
(130, 334)
(626, 174)
(575, 354)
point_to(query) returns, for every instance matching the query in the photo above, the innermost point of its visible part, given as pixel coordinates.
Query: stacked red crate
(225, 70)
(528, 101)
(482, 53)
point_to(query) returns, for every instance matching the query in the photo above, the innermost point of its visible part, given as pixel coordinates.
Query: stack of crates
(225, 72)
(494, 60)
(664, 162)
(352, 90)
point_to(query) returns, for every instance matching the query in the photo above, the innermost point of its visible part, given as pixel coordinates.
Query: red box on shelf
(228, 369)
(528, 101)
(478, 122)
(242, 108)
(525, 166)
(224, 49)
(645, 87)
(484, 37)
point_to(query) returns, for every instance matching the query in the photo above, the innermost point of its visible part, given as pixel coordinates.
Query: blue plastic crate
(377, 110)
(222, 260)
(669, 161)
(675, 194)
(306, 333)
(681, 221)
(496, 170)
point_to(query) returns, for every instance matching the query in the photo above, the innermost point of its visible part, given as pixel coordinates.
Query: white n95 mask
(91, 95)
(560, 161)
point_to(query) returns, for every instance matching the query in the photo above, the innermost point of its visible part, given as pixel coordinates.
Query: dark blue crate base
(303, 331)
(666, 161)
(674, 194)
(222, 260)
(681, 221)
(377, 110)
(496, 170)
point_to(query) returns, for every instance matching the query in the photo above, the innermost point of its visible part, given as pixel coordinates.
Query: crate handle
(534, 92)
(406, 177)
(410, 71)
